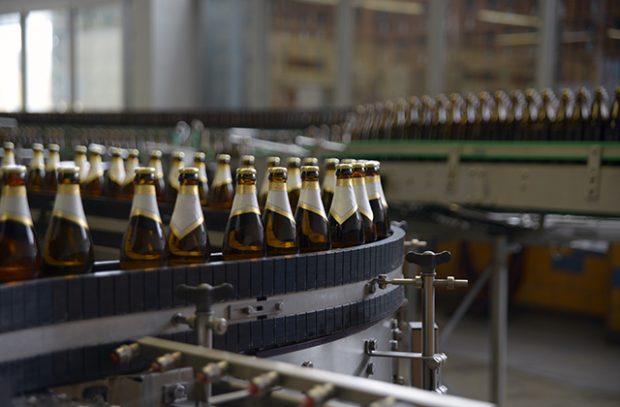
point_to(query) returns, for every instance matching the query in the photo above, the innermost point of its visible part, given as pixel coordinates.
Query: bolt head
(370, 369)
(220, 326)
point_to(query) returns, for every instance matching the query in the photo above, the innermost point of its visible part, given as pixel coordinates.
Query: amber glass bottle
(310, 218)
(581, 111)
(155, 162)
(599, 116)
(459, 117)
(20, 258)
(244, 233)
(9, 154)
(144, 242)
(329, 182)
(345, 222)
(363, 204)
(36, 172)
(188, 241)
(376, 199)
(81, 161)
(51, 167)
(293, 183)
(94, 183)
(278, 220)
(264, 188)
(172, 186)
(68, 246)
(222, 191)
(310, 161)
(133, 162)
(413, 119)
(614, 118)
(200, 162)
(247, 161)
(562, 117)
(115, 179)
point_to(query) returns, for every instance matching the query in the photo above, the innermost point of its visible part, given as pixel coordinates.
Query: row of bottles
(357, 214)
(518, 115)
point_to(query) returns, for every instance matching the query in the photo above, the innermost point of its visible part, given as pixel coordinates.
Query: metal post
(436, 47)
(428, 324)
(499, 319)
(24, 59)
(546, 59)
(344, 39)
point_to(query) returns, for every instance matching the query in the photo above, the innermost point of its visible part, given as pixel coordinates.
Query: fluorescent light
(506, 18)
(392, 6)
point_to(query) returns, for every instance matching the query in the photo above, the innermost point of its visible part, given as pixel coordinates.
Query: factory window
(10, 67)
(48, 61)
(99, 58)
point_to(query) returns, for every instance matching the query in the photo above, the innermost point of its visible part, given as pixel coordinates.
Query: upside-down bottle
(144, 242)
(361, 196)
(68, 246)
(188, 241)
(244, 235)
(293, 183)
(264, 188)
(278, 220)
(345, 222)
(36, 172)
(20, 258)
(51, 167)
(310, 217)
(200, 162)
(222, 191)
(115, 181)
(376, 199)
(329, 182)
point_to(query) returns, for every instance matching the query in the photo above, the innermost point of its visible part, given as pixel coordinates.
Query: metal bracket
(454, 158)
(254, 309)
(434, 361)
(175, 393)
(594, 173)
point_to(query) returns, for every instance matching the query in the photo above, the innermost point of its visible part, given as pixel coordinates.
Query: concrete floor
(554, 360)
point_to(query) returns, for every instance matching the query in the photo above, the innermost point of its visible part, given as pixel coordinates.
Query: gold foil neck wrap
(69, 189)
(343, 182)
(277, 186)
(188, 190)
(310, 185)
(358, 181)
(246, 189)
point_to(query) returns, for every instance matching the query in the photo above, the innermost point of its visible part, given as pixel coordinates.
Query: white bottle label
(294, 180)
(145, 202)
(187, 214)
(329, 182)
(244, 201)
(310, 198)
(222, 175)
(14, 205)
(344, 204)
(68, 205)
(116, 173)
(277, 201)
(362, 198)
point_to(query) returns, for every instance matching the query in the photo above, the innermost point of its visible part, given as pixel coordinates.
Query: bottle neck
(245, 200)
(156, 163)
(222, 175)
(130, 174)
(9, 157)
(310, 198)
(329, 182)
(53, 161)
(116, 173)
(144, 202)
(294, 179)
(202, 171)
(96, 168)
(37, 162)
(14, 205)
(173, 175)
(68, 204)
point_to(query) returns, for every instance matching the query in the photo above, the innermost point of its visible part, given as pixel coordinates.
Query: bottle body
(293, 182)
(345, 222)
(363, 204)
(115, 181)
(376, 200)
(172, 186)
(36, 172)
(144, 242)
(203, 184)
(264, 188)
(155, 162)
(20, 257)
(188, 241)
(329, 183)
(94, 183)
(310, 218)
(68, 246)
(278, 220)
(244, 233)
(222, 191)
(51, 168)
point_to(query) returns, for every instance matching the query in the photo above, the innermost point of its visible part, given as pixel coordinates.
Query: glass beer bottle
(264, 188)
(222, 191)
(68, 246)
(133, 162)
(188, 241)
(329, 182)
(81, 161)
(51, 167)
(155, 162)
(278, 220)
(376, 199)
(36, 172)
(9, 154)
(361, 197)
(310, 161)
(20, 258)
(293, 183)
(94, 183)
(144, 242)
(247, 161)
(310, 218)
(345, 222)
(172, 186)
(244, 236)
(200, 162)
(115, 180)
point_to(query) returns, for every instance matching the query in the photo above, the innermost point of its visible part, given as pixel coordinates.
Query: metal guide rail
(561, 177)
(61, 330)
